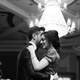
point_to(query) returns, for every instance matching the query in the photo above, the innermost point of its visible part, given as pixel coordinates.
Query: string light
(39, 5)
(31, 24)
(69, 22)
(73, 27)
(65, 5)
(36, 22)
(59, 1)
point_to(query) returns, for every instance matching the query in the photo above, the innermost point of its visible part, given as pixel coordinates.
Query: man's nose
(41, 41)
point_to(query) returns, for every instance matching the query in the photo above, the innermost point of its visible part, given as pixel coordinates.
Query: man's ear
(33, 35)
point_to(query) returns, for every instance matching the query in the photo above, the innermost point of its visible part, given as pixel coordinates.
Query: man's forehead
(40, 31)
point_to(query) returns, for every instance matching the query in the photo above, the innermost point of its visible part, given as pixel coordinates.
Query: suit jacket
(25, 70)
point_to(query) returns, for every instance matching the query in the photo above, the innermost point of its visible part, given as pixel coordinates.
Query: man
(25, 69)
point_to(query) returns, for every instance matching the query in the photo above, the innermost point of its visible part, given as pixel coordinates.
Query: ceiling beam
(11, 30)
(73, 2)
(13, 8)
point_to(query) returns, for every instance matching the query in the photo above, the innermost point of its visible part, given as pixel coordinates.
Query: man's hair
(34, 30)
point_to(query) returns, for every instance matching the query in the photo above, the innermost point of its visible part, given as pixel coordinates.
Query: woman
(46, 65)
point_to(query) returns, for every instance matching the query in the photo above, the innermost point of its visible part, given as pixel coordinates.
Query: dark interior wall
(8, 67)
(78, 58)
(11, 30)
(12, 26)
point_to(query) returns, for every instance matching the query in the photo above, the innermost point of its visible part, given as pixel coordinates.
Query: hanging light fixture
(53, 19)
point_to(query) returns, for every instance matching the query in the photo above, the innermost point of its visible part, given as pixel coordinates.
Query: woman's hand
(53, 53)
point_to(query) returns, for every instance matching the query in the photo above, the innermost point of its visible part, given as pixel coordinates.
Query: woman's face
(44, 42)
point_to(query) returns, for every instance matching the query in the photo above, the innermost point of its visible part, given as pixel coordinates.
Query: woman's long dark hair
(53, 38)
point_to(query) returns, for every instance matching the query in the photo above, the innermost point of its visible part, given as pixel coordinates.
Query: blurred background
(16, 16)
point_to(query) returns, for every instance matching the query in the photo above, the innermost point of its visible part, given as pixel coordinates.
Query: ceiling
(75, 7)
(26, 8)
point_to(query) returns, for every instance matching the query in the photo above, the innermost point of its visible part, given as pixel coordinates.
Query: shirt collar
(33, 44)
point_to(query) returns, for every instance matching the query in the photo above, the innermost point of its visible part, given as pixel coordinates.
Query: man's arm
(30, 68)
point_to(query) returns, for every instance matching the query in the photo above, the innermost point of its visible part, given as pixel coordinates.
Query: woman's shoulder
(52, 54)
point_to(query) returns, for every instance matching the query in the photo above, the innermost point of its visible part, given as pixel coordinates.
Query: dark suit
(25, 70)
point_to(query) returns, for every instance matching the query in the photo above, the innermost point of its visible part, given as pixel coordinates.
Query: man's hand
(31, 48)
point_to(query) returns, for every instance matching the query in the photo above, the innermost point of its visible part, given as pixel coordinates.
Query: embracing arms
(39, 65)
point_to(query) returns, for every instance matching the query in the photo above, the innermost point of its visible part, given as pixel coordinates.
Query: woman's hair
(53, 38)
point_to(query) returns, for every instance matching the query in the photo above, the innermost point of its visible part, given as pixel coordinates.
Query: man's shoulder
(24, 50)
(27, 44)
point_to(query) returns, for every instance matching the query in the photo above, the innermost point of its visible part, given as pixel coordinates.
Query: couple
(30, 65)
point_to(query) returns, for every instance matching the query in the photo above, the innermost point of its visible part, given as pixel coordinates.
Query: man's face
(38, 36)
